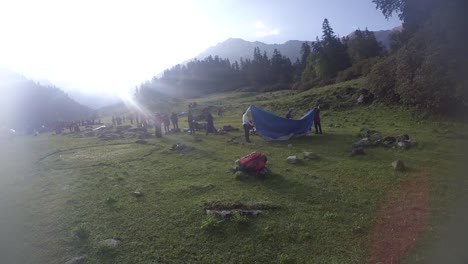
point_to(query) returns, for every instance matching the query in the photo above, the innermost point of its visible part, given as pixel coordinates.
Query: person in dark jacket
(157, 125)
(210, 128)
(318, 126)
(175, 120)
(191, 122)
(166, 122)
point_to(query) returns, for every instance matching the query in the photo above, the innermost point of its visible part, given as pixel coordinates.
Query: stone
(398, 165)
(290, 145)
(404, 144)
(375, 137)
(365, 142)
(110, 136)
(365, 132)
(141, 141)
(310, 155)
(402, 137)
(338, 125)
(388, 140)
(292, 159)
(181, 147)
(89, 134)
(122, 128)
(137, 194)
(77, 260)
(229, 213)
(112, 243)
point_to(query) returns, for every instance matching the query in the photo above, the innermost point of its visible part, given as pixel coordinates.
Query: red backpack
(252, 163)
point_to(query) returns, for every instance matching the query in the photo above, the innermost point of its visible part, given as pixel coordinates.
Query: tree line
(320, 62)
(423, 67)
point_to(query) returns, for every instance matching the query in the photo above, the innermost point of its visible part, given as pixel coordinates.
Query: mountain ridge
(236, 48)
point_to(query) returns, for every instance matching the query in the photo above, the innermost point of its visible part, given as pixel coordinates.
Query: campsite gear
(254, 163)
(274, 127)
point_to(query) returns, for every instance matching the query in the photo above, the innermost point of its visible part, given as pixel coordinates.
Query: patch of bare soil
(400, 221)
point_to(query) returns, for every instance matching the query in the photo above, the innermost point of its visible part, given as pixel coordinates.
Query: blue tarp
(273, 127)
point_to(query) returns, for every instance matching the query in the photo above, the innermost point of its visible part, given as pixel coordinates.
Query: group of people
(72, 126)
(164, 120)
(193, 124)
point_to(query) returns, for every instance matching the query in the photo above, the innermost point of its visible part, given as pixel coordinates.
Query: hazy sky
(101, 45)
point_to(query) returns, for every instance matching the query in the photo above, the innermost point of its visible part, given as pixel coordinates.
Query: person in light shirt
(247, 125)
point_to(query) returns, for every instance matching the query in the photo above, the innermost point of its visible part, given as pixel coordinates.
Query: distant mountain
(93, 100)
(235, 48)
(27, 104)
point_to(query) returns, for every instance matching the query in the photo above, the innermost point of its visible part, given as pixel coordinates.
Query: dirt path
(401, 220)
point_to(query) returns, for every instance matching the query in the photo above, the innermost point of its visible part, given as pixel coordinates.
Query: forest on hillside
(29, 105)
(424, 66)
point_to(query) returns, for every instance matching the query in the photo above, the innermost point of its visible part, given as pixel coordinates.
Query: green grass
(323, 210)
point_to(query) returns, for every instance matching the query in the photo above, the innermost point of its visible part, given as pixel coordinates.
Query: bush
(382, 80)
(362, 68)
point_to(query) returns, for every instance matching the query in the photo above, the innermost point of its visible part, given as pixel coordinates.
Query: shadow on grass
(319, 190)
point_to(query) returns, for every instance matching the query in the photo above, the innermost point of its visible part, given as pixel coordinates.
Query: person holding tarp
(318, 126)
(289, 113)
(247, 124)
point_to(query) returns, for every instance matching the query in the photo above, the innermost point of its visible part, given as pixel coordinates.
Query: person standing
(289, 113)
(247, 125)
(167, 123)
(210, 128)
(175, 121)
(157, 125)
(191, 122)
(318, 126)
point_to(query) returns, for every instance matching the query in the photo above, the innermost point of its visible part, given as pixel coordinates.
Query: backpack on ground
(254, 163)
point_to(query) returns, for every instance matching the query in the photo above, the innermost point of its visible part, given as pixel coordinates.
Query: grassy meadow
(320, 211)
